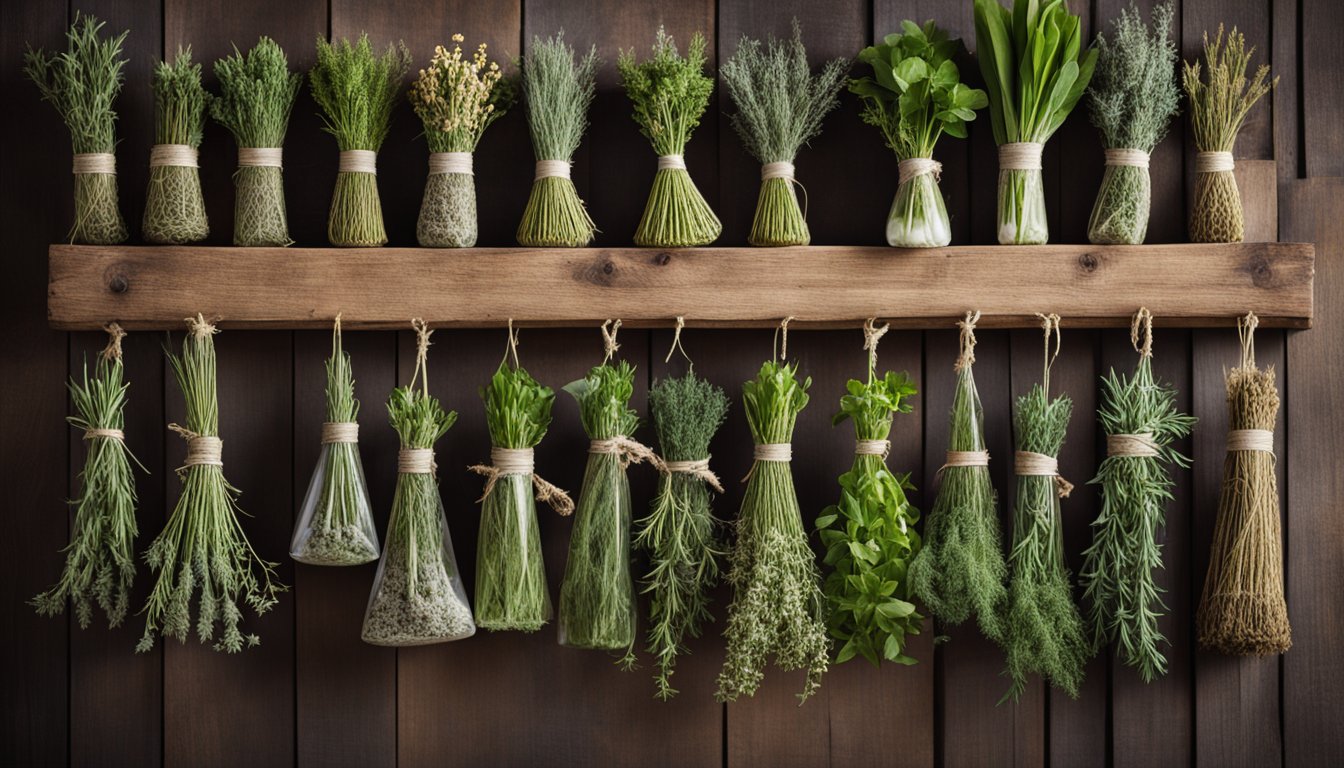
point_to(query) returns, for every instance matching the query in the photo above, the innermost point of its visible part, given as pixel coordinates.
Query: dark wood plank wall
(313, 694)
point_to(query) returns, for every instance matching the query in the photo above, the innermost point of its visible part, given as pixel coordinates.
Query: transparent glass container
(1120, 215)
(1021, 219)
(918, 217)
(511, 591)
(597, 597)
(335, 524)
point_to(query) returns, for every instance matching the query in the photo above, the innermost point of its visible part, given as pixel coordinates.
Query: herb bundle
(456, 99)
(780, 106)
(1242, 611)
(1132, 98)
(870, 534)
(558, 90)
(669, 95)
(203, 548)
(256, 95)
(174, 205)
(1218, 107)
(82, 83)
(418, 597)
(336, 522)
(915, 96)
(1035, 71)
(1141, 421)
(357, 91)
(959, 572)
(100, 559)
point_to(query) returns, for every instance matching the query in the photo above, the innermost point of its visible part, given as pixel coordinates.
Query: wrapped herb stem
(174, 205)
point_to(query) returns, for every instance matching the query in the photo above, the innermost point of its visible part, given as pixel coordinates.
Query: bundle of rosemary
(82, 83)
(1141, 421)
(870, 534)
(669, 95)
(557, 90)
(203, 549)
(357, 91)
(174, 205)
(100, 559)
(336, 522)
(456, 100)
(1242, 611)
(1035, 71)
(1218, 107)
(1043, 632)
(780, 106)
(418, 597)
(1132, 98)
(256, 95)
(959, 572)
(915, 96)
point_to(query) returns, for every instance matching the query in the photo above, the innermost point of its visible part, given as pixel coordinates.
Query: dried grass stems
(174, 205)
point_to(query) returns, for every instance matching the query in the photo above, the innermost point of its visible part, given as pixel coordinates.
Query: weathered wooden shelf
(822, 286)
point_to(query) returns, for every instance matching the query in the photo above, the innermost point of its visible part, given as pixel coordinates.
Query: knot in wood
(1262, 274)
(663, 258)
(1089, 262)
(118, 283)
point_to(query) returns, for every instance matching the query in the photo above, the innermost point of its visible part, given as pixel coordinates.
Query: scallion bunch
(174, 205)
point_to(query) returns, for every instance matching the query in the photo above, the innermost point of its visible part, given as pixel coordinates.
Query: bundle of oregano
(915, 96)
(256, 95)
(456, 99)
(780, 106)
(1141, 421)
(557, 89)
(202, 551)
(82, 83)
(357, 91)
(174, 205)
(1132, 98)
(1035, 71)
(669, 95)
(100, 559)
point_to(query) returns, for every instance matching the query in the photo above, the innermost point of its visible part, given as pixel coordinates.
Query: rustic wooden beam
(821, 286)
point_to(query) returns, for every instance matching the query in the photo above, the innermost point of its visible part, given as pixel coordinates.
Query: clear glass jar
(597, 597)
(1022, 218)
(1120, 214)
(511, 591)
(918, 217)
(336, 521)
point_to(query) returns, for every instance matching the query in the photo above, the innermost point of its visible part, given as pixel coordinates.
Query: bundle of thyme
(1132, 98)
(174, 205)
(1141, 421)
(1218, 107)
(203, 552)
(82, 83)
(669, 95)
(100, 559)
(357, 92)
(456, 99)
(780, 106)
(256, 95)
(558, 90)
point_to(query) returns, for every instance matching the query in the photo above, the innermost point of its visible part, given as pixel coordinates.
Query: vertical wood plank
(1322, 60)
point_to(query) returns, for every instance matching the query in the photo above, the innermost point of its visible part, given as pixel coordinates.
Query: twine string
(358, 161)
(872, 448)
(1020, 156)
(1213, 162)
(416, 461)
(676, 343)
(546, 168)
(778, 452)
(784, 170)
(511, 346)
(521, 461)
(1138, 445)
(671, 163)
(442, 163)
(966, 358)
(698, 468)
(261, 157)
(104, 433)
(1135, 158)
(1250, 440)
(629, 451)
(871, 336)
(114, 336)
(1031, 464)
(1246, 334)
(1142, 328)
(340, 432)
(202, 450)
(94, 162)
(911, 167)
(781, 342)
(182, 155)
(609, 346)
(1049, 325)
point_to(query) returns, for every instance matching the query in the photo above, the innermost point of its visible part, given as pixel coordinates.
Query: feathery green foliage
(174, 205)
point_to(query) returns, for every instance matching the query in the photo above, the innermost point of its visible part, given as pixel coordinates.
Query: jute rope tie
(1141, 332)
(1020, 156)
(784, 170)
(202, 450)
(1213, 162)
(967, 356)
(340, 432)
(442, 163)
(628, 451)
(1250, 440)
(415, 461)
(1133, 446)
(107, 434)
(676, 343)
(114, 336)
(1135, 158)
(520, 461)
(911, 167)
(1031, 464)
(965, 459)
(872, 334)
(551, 168)
(872, 448)
(358, 161)
(94, 162)
(261, 157)
(183, 155)
(777, 452)
(782, 336)
(609, 346)
(671, 163)
(698, 468)
(199, 328)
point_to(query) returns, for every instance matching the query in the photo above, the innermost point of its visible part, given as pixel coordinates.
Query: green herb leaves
(357, 90)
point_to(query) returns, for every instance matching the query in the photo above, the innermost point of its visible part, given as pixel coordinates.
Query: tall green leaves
(357, 90)
(82, 83)
(256, 94)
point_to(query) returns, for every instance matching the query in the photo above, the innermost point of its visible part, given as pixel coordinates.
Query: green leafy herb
(174, 205)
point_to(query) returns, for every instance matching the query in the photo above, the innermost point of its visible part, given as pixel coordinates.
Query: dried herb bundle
(174, 205)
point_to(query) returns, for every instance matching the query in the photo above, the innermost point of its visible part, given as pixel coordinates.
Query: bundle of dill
(1218, 107)
(357, 91)
(82, 83)
(256, 95)
(780, 106)
(558, 90)
(174, 205)
(1131, 100)
(669, 95)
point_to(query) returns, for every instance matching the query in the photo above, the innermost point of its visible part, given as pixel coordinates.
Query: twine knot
(628, 451)
(966, 358)
(416, 461)
(202, 450)
(340, 432)
(1020, 156)
(1133, 446)
(520, 461)
(872, 448)
(114, 336)
(609, 346)
(697, 468)
(911, 167)
(1141, 332)
(93, 433)
(1031, 464)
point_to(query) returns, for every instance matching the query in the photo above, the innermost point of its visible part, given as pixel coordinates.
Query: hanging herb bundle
(418, 597)
(1218, 107)
(256, 95)
(915, 96)
(511, 591)
(1141, 421)
(1242, 611)
(669, 95)
(174, 205)
(203, 548)
(780, 106)
(1035, 71)
(1043, 632)
(336, 522)
(357, 92)
(456, 99)
(870, 535)
(959, 572)
(82, 83)
(1132, 98)
(558, 90)
(100, 559)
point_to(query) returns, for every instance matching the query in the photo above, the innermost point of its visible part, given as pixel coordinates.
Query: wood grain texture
(1322, 59)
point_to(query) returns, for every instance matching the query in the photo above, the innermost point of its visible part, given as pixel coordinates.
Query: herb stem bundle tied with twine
(174, 205)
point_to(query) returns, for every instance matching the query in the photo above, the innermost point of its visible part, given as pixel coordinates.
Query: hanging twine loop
(202, 450)
(182, 155)
(629, 451)
(1246, 335)
(521, 461)
(511, 346)
(911, 167)
(966, 358)
(671, 163)
(1213, 162)
(546, 168)
(1049, 326)
(871, 336)
(1141, 332)
(1020, 156)
(443, 163)
(358, 161)
(609, 346)
(676, 343)
(114, 336)
(1134, 158)
(422, 343)
(1249, 439)
(261, 157)
(94, 162)
(782, 338)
